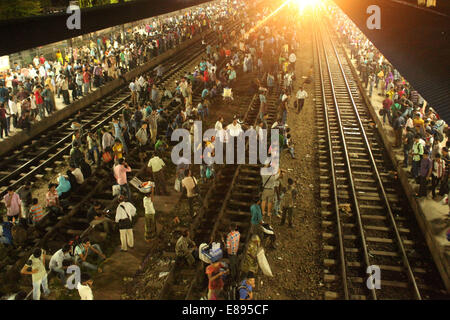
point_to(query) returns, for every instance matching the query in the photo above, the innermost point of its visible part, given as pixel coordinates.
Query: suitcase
(144, 187)
(213, 253)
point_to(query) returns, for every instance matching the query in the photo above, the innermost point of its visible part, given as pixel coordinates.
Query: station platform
(431, 214)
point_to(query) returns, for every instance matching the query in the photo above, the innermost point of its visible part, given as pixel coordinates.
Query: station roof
(35, 31)
(415, 40)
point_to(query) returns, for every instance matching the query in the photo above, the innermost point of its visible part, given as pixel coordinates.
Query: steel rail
(347, 160)
(65, 139)
(378, 179)
(333, 175)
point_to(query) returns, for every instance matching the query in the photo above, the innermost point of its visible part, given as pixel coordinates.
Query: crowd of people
(144, 128)
(418, 130)
(27, 92)
(268, 53)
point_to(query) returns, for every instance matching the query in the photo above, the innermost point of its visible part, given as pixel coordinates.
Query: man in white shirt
(156, 165)
(301, 96)
(234, 128)
(133, 90)
(84, 287)
(35, 267)
(78, 174)
(124, 213)
(219, 129)
(56, 262)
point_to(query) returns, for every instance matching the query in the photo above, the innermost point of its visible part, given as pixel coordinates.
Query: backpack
(438, 135)
(234, 294)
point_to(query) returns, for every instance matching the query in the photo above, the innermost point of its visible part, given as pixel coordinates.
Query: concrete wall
(22, 137)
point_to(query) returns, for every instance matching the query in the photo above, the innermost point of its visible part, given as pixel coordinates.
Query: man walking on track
(156, 165)
(301, 96)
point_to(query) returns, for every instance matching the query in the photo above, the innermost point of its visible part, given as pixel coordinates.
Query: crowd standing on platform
(418, 129)
(27, 92)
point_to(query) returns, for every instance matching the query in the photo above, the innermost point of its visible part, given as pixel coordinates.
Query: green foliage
(93, 3)
(12, 9)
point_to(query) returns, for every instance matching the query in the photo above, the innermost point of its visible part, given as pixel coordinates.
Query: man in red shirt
(387, 103)
(215, 284)
(86, 81)
(39, 102)
(3, 121)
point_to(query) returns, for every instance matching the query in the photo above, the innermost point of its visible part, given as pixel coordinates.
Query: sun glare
(304, 4)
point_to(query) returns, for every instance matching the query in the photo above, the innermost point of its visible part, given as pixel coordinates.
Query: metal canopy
(416, 41)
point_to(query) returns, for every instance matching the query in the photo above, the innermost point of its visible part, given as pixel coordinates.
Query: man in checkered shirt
(232, 245)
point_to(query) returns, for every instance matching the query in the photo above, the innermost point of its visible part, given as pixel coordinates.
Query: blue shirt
(63, 186)
(244, 292)
(7, 232)
(255, 209)
(204, 93)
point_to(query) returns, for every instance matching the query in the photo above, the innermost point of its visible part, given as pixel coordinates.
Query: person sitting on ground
(52, 200)
(36, 212)
(246, 287)
(96, 215)
(76, 172)
(64, 187)
(215, 283)
(56, 262)
(72, 180)
(84, 287)
(85, 249)
(186, 248)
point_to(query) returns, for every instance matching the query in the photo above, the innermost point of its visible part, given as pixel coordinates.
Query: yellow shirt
(156, 163)
(118, 150)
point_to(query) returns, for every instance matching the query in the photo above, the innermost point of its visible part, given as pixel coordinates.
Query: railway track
(227, 200)
(366, 218)
(74, 222)
(33, 159)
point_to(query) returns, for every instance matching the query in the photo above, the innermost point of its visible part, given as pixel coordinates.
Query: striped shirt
(36, 213)
(233, 242)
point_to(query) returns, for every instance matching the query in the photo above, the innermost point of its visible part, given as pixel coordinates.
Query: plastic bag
(115, 190)
(177, 185)
(263, 263)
